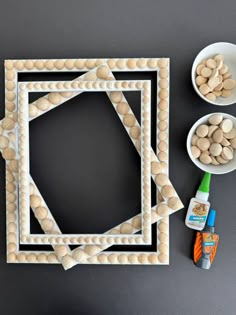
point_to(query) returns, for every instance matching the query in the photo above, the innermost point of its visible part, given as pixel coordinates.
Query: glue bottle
(206, 243)
(199, 206)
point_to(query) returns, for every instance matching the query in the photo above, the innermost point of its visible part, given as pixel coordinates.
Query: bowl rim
(188, 144)
(193, 70)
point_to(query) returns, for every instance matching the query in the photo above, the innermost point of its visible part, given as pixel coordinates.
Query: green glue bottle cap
(205, 183)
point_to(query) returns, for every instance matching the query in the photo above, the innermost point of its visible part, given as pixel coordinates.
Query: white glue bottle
(199, 206)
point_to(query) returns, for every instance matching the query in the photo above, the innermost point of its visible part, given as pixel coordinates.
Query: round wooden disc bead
(68, 262)
(91, 249)
(162, 146)
(8, 154)
(19, 65)
(43, 103)
(103, 72)
(69, 64)
(163, 210)
(131, 63)
(126, 228)
(163, 94)
(122, 108)
(41, 213)
(136, 223)
(60, 250)
(90, 63)
(129, 120)
(161, 179)
(116, 97)
(54, 98)
(47, 225)
(163, 73)
(35, 201)
(59, 64)
(111, 63)
(162, 63)
(167, 191)
(79, 255)
(135, 132)
(39, 64)
(8, 123)
(141, 63)
(3, 142)
(174, 203)
(163, 104)
(29, 64)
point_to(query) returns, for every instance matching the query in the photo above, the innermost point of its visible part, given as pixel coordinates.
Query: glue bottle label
(197, 214)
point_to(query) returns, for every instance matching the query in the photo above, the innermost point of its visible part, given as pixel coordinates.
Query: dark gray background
(64, 29)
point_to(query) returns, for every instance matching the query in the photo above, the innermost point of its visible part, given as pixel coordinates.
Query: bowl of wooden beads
(211, 143)
(214, 74)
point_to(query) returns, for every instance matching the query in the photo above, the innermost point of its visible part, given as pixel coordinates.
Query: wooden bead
(35, 201)
(43, 103)
(61, 250)
(203, 144)
(204, 89)
(10, 187)
(163, 258)
(152, 63)
(156, 168)
(129, 120)
(10, 106)
(136, 223)
(10, 85)
(167, 191)
(211, 63)
(163, 104)
(224, 69)
(8, 123)
(8, 154)
(21, 257)
(215, 119)
(195, 151)
(69, 64)
(41, 213)
(126, 228)
(199, 68)
(13, 166)
(10, 75)
(163, 73)
(163, 237)
(39, 64)
(131, 63)
(161, 179)
(200, 80)
(122, 108)
(9, 65)
(4, 142)
(153, 259)
(135, 132)
(19, 65)
(213, 82)
(116, 97)
(233, 142)
(103, 72)
(90, 63)
(174, 203)
(42, 258)
(59, 64)
(211, 97)
(194, 139)
(226, 93)
(47, 225)
(141, 63)
(225, 142)
(11, 257)
(162, 157)
(29, 65)
(215, 149)
(54, 98)
(220, 160)
(226, 125)
(79, 255)
(163, 62)
(163, 146)
(227, 154)
(229, 84)
(211, 130)
(163, 210)
(163, 94)
(68, 262)
(91, 249)
(52, 258)
(79, 63)
(163, 115)
(205, 158)
(206, 72)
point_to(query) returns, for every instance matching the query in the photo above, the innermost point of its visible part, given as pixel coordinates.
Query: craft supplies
(199, 206)
(214, 79)
(206, 244)
(214, 142)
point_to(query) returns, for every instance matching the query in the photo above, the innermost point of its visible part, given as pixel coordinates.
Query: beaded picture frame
(84, 254)
(73, 88)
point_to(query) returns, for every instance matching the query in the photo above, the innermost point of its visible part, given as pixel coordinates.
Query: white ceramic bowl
(228, 50)
(213, 169)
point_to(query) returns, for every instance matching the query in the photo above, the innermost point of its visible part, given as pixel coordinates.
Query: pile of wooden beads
(215, 142)
(214, 79)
